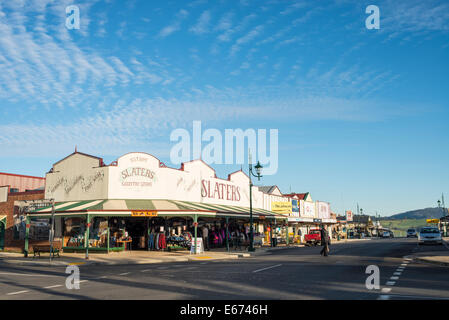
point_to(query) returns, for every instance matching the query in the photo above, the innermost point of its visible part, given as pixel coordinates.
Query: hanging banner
(295, 208)
(349, 215)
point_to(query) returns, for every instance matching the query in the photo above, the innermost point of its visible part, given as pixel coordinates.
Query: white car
(411, 233)
(429, 235)
(387, 234)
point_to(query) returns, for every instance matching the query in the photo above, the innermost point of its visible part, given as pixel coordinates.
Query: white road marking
(278, 265)
(81, 281)
(51, 287)
(146, 270)
(204, 263)
(386, 290)
(390, 283)
(394, 278)
(397, 273)
(25, 274)
(403, 264)
(419, 297)
(384, 297)
(18, 292)
(124, 274)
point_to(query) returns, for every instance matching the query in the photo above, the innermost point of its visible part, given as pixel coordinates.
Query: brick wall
(7, 208)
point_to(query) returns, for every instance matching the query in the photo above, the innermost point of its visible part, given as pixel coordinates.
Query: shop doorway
(137, 230)
(2, 235)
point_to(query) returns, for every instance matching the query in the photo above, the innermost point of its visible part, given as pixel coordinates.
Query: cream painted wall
(4, 194)
(77, 177)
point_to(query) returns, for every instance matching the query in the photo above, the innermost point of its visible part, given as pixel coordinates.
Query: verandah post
(87, 236)
(195, 224)
(227, 233)
(27, 235)
(108, 237)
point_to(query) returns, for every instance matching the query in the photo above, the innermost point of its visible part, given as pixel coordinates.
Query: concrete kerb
(137, 261)
(207, 256)
(434, 259)
(429, 261)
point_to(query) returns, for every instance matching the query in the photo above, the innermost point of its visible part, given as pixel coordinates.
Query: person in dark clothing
(324, 241)
(205, 234)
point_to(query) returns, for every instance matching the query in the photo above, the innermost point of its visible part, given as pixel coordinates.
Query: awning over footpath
(161, 207)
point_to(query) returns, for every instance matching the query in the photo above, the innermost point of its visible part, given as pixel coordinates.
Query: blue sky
(362, 114)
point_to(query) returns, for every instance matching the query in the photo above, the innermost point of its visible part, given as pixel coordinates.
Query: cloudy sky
(362, 114)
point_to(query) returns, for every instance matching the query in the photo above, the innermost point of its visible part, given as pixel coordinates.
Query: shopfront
(95, 229)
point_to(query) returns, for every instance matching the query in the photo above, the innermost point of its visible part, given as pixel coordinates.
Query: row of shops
(138, 203)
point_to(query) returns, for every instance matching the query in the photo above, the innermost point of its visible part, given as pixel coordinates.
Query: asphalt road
(289, 274)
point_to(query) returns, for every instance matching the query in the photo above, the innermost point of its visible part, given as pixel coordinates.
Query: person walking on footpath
(324, 241)
(205, 233)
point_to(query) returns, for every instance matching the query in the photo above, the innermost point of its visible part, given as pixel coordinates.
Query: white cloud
(40, 66)
(202, 25)
(246, 38)
(174, 26)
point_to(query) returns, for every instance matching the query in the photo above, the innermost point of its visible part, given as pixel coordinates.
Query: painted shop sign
(281, 207)
(220, 191)
(86, 183)
(151, 213)
(139, 173)
(308, 208)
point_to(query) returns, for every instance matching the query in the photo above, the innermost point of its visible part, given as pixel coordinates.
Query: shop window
(74, 230)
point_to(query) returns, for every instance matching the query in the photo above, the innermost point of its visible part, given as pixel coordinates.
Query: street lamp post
(361, 214)
(258, 168)
(439, 207)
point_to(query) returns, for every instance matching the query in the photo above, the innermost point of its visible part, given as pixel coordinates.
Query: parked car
(387, 234)
(411, 233)
(429, 235)
(314, 237)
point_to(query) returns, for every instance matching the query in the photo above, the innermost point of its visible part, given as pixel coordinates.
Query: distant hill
(427, 213)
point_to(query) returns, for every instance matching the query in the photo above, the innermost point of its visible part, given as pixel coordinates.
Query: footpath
(132, 257)
(435, 257)
(143, 257)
